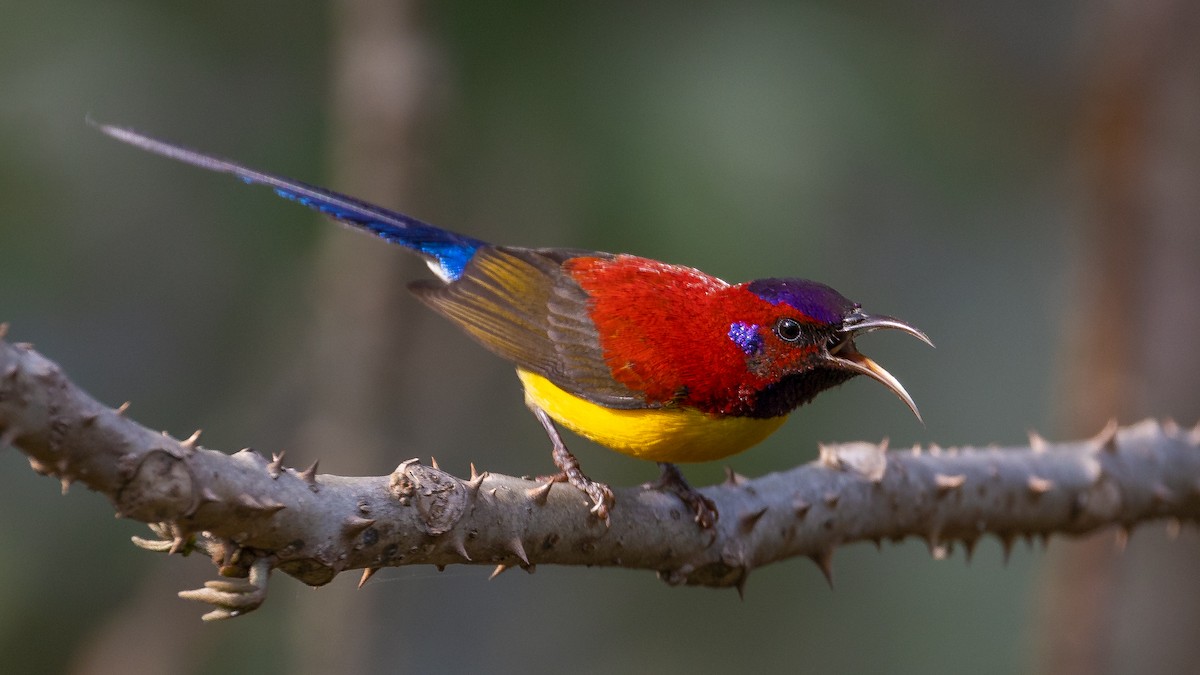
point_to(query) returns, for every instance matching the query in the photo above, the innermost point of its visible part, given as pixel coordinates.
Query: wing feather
(522, 306)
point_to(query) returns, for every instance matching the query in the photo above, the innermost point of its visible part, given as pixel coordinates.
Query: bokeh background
(1018, 179)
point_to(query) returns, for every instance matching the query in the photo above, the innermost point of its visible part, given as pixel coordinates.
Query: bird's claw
(704, 510)
(233, 597)
(600, 494)
(171, 539)
(602, 500)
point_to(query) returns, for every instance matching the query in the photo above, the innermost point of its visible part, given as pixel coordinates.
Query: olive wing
(521, 305)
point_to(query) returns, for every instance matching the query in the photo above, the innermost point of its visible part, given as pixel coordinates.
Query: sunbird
(654, 360)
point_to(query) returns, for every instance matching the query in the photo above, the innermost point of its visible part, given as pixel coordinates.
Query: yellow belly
(655, 434)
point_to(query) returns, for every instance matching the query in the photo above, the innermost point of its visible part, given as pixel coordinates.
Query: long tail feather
(446, 252)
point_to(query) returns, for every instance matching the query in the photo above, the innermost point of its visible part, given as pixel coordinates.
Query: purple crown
(814, 300)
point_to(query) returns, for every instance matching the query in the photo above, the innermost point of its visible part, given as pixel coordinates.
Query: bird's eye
(787, 329)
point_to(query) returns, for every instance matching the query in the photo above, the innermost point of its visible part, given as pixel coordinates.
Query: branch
(252, 515)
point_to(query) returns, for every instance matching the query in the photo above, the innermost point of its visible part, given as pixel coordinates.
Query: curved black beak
(845, 355)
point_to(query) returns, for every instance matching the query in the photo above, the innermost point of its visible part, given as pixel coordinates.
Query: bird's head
(803, 343)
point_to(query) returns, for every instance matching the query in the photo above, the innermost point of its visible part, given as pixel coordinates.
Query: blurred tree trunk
(383, 75)
(383, 67)
(1130, 341)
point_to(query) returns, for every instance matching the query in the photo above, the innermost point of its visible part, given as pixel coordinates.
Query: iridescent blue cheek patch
(746, 336)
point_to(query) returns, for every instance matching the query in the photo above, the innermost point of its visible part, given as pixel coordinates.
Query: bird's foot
(233, 597)
(171, 539)
(600, 494)
(703, 508)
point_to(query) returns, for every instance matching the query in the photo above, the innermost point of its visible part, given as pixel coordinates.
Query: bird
(654, 360)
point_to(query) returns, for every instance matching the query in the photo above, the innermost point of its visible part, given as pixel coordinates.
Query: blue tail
(447, 253)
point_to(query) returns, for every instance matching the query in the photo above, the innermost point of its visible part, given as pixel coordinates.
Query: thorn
(867, 460)
(916, 450)
(940, 552)
(1122, 538)
(88, 419)
(1106, 440)
(827, 456)
(433, 463)
(540, 493)
(1171, 427)
(39, 467)
(352, 526)
(498, 571)
(309, 476)
(1174, 527)
(271, 508)
(530, 569)
(189, 443)
(440, 568)
(1006, 543)
(518, 549)
(800, 507)
(66, 484)
(458, 543)
(402, 467)
(474, 473)
(248, 501)
(3, 330)
(933, 541)
(878, 541)
(969, 548)
(747, 521)
(732, 477)
(275, 467)
(1039, 486)
(741, 586)
(948, 483)
(122, 409)
(1037, 443)
(476, 480)
(367, 574)
(9, 437)
(824, 561)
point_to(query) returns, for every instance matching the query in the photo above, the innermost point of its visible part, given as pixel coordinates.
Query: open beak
(844, 354)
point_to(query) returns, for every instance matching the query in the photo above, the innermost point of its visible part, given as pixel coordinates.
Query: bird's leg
(671, 480)
(599, 493)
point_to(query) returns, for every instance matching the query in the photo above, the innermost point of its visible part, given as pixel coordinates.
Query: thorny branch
(252, 515)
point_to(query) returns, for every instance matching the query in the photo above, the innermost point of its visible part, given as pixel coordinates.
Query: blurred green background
(915, 156)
